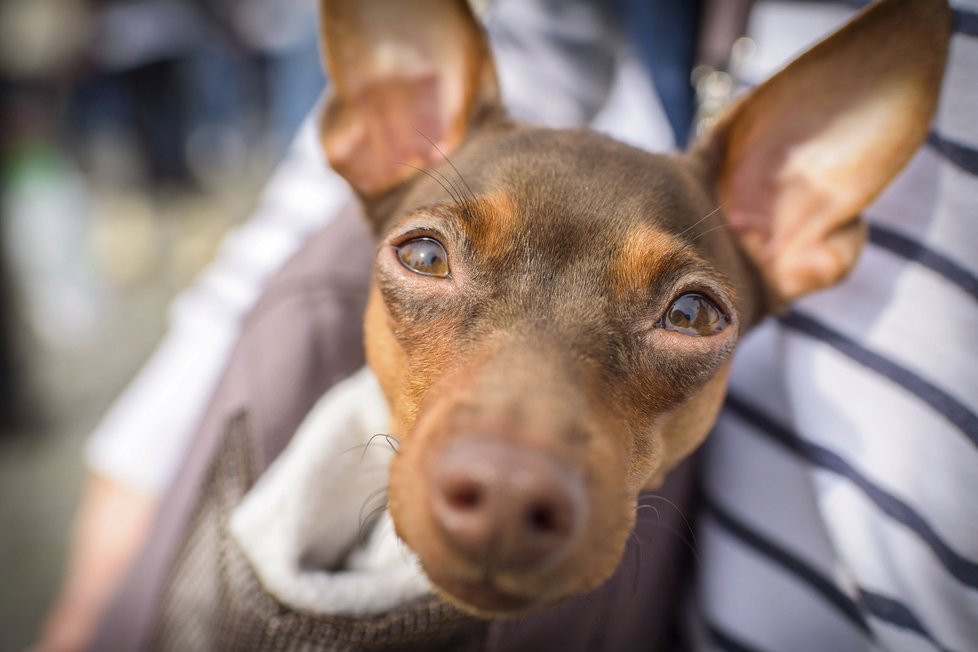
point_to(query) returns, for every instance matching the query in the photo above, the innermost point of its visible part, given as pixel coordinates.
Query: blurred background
(133, 134)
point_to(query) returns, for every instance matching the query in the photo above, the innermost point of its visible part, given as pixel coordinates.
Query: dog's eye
(694, 314)
(424, 256)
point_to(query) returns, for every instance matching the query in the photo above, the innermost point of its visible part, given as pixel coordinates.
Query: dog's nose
(505, 507)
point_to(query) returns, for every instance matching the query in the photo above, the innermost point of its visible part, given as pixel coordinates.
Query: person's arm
(136, 451)
(110, 526)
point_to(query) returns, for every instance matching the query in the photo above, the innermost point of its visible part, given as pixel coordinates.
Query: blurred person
(195, 84)
(17, 408)
(10, 375)
(283, 42)
(256, 71)
(40, 41)
(137, 50)
(844, 495)
(13, 382)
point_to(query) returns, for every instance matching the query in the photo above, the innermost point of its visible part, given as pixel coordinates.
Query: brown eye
(424, 256)
(694, 314)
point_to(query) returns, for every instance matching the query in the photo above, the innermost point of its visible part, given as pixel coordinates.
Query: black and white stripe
(841, 482)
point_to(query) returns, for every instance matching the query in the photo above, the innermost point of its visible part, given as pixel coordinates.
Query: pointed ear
(796, 160)
(408, 77)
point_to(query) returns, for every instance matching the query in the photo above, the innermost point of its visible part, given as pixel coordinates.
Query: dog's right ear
(408, 78)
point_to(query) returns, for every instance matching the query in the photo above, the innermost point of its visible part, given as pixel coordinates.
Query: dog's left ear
(795, 161)
(408, 78)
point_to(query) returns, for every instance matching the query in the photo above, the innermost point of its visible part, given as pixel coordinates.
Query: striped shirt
(840, 491)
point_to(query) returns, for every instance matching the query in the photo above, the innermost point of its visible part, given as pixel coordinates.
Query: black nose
(506, 507)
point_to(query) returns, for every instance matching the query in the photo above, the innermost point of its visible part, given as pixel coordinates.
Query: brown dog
(553, 313)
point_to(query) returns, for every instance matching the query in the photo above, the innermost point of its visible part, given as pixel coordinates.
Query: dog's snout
(505, 507)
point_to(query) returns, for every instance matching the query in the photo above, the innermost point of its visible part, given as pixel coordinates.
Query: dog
(553, 314)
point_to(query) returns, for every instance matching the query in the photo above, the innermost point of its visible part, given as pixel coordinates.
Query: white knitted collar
(300, 526)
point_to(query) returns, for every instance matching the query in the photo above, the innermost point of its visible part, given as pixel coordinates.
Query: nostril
(464, 497)
(542, 519)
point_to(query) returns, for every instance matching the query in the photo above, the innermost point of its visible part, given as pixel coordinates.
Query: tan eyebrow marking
(493, 231)
(645, 253)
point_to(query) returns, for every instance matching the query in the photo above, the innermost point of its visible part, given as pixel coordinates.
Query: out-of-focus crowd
(113, 111)
(133, 133)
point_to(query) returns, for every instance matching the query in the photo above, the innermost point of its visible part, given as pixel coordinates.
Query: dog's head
(553, 313)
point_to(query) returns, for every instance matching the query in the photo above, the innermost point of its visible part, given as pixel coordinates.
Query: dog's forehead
(563, 218)
(577, 201)
(574, 179)
(567, 214)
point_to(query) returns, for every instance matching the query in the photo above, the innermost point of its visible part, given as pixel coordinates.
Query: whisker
(692, 544)
(385, 435)
(391, 440)
(679, 511)
(373, 494)
(459, 195)
(710, 230)
(445, 156)
(372, 515)
(727, 223)
(436, 180)
(685, 542)
(639, 508)
(702, 219)
(373, 512)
